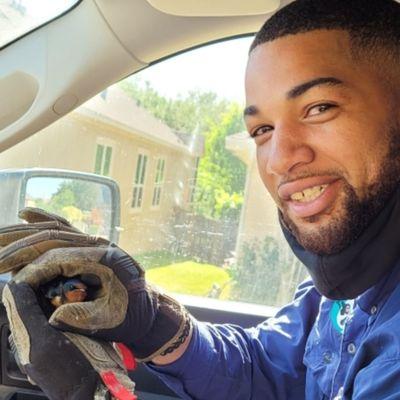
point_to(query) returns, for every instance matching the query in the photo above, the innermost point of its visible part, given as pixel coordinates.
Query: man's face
(326, 136)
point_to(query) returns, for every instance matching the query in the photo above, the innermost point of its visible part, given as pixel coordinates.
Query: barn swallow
(65, 290)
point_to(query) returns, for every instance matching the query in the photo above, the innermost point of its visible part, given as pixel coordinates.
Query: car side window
(193, 210)
(18, 17)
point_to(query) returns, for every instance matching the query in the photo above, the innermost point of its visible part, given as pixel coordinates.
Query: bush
(265, 273)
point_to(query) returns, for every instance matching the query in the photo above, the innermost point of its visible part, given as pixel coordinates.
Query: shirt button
(327, 357)
(351, 348)
(373, 310)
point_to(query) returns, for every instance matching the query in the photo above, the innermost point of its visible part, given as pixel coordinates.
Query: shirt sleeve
(229, 362)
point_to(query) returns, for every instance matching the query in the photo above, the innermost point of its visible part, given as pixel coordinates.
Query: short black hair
(371, 23)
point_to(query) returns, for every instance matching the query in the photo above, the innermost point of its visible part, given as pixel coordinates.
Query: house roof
(240, 145)
(118, 107)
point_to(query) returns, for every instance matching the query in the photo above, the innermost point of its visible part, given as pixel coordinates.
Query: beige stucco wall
(53, 147)
(259, 215)
(70, 144)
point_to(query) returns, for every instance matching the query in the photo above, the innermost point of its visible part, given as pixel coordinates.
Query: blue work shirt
(314, 348)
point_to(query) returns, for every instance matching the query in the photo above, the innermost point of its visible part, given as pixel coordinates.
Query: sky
(20, 16)
(44, 8)
(43, 187)
(219, 68)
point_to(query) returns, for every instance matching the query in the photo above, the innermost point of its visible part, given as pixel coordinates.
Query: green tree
(258, 273)
(221, 176)
(64, 197)
(85, 193)
(76, 193)
(193, 112)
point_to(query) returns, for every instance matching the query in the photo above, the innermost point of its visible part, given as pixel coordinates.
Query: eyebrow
(298, 91)
(249, 111)
(304, 87)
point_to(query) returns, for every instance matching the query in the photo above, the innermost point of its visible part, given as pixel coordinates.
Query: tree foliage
(78, 202)
(79, 194)
(221, 176)
(266, 272)
(258, 272)
(193, 112)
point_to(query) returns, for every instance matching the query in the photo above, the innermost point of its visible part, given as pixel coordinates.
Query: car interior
(125, 117)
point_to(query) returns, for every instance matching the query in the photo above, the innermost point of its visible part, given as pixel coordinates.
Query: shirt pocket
(316, 357)
(320, 361)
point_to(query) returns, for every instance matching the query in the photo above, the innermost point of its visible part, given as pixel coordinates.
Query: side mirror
(90, 202)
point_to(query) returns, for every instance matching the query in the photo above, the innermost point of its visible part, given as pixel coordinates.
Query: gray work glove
(123, 308)
(66, 366)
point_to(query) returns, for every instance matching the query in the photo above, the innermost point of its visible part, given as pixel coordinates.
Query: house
(259, 217)
(111, 135)
(260, 221)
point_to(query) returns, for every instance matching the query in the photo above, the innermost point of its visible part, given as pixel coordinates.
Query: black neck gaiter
(347, 274)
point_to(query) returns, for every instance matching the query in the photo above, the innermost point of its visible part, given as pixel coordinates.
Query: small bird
(65, 290)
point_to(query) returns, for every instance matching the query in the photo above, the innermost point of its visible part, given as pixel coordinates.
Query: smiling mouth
(311, 196)
(308, 194)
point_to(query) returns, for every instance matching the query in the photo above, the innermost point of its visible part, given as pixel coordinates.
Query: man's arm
(228, 362)
(175, 355)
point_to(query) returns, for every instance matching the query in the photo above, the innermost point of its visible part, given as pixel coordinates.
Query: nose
(288, 149)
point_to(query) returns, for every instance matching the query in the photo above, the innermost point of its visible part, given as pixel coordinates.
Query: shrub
(265, 273)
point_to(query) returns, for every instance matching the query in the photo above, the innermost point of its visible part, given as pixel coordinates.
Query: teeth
(308, 194)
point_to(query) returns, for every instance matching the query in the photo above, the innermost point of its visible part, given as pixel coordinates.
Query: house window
(158, 182)
(193, 182)
(103, 160)
(138, 186)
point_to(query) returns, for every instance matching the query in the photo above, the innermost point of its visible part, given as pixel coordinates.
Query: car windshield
(17, 17)
(193, 210)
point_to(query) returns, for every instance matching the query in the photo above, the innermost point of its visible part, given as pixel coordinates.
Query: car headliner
(52, 70)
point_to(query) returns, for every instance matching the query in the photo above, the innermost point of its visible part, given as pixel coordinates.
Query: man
(323, 103)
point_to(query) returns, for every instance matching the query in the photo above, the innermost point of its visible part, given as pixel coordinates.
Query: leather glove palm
(65, 365)
(124, 308)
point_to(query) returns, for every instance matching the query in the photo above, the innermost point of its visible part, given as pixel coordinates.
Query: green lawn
(188, 277)
(158, 258)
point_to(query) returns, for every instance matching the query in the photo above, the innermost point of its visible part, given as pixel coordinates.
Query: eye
(319, 109)
(69, 286)
(261, 131)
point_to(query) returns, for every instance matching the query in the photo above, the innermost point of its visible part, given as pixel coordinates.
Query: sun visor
(215, 8)
(18, 92)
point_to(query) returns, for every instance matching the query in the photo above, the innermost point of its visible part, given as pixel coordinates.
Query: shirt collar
(371, 300)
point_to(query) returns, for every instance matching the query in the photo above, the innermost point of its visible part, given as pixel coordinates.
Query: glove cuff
(171, 327)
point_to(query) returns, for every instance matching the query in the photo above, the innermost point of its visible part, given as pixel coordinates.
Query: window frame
(158, 184)
(145, 154)
(189, 191)
(106, 143)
